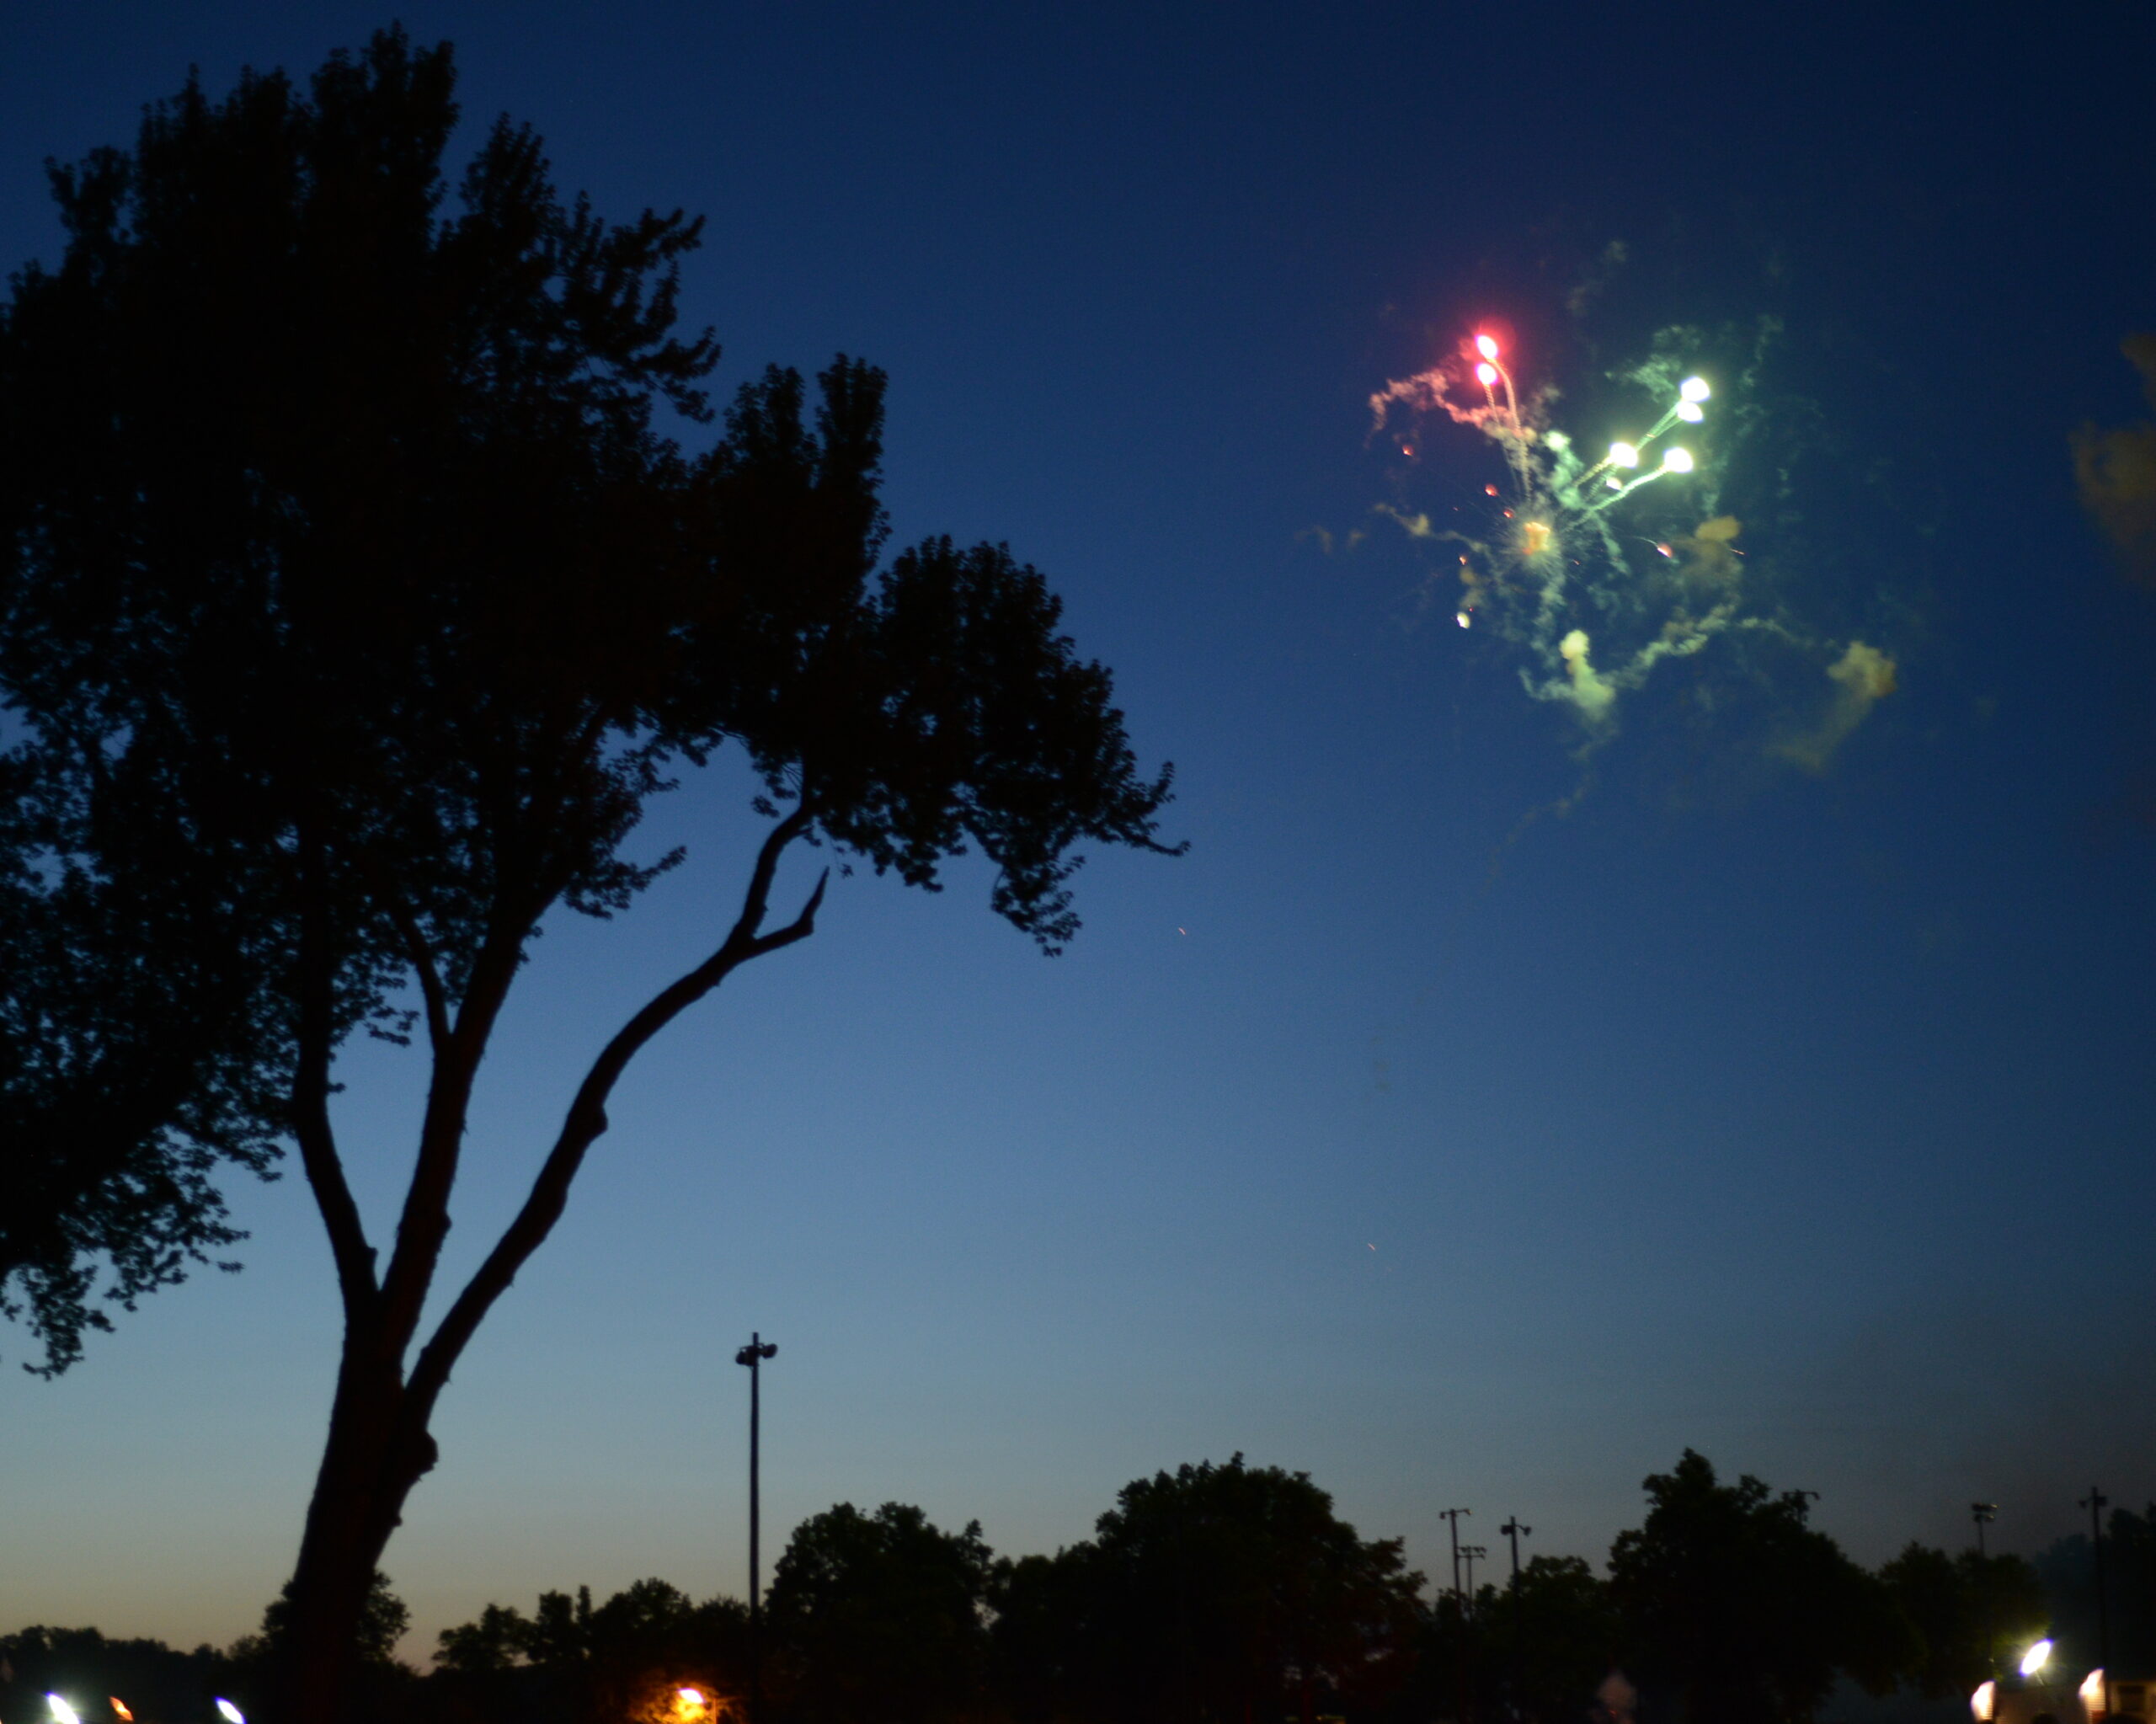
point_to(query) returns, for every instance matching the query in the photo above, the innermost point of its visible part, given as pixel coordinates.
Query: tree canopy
(1976, 1614)
(1737, 1606)
(1220, 1588)
(356, 598)
(879, 1616)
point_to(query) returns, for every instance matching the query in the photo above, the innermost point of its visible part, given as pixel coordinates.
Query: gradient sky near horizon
(1453, 1131)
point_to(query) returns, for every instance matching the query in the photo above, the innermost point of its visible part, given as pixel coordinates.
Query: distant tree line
(1218, 1593)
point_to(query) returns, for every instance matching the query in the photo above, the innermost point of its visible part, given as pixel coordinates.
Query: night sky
(1487, 1108)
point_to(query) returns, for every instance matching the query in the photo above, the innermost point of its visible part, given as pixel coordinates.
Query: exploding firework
(1604, 568)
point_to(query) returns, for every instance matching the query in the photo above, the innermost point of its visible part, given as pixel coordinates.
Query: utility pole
(1454, 1515)
(1471, 1552)
(2096, 1503)
(1514, 1531)
(1983, 1514)
(1460, 1625)
(753, 1356)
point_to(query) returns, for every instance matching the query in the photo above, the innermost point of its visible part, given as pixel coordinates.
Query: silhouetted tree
(352, 609)
(154, 1680)
(1551, 1643)
(1972, 1613)
(2068, 1572)
(879, 1616)
(1227, 1591)
(1735, 1608)
(570, 1660)
(379, 1686)
(134, 1056)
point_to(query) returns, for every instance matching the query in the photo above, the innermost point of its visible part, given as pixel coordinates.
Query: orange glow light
(1486, 374)
(119, 1709)
(1485, 346)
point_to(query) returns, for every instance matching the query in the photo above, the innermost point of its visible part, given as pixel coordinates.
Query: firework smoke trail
(1556, 561)
(1560, 572)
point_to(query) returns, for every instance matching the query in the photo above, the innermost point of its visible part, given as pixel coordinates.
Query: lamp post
(753, 1356)
(1984, 1513)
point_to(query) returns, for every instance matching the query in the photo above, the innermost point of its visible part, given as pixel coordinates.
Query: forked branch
(585, 1120)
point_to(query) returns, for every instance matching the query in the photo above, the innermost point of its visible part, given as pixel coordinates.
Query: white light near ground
(230, 1713)
(2035, 1657)
(62, 1713)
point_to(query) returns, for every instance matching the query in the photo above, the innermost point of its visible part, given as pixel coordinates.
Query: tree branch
(423, 1223)
(585, 1121)
(423, 967)
(310, 1125)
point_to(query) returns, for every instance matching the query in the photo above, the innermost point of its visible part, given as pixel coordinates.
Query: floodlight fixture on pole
(753, 1356)
(1514, 1531)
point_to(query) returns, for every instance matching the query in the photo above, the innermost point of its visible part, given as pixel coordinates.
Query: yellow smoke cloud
(2115, 471)
(1710, 549)
(1592, 692)
(1863, 677)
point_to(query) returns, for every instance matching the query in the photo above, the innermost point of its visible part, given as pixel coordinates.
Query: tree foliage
(1974, 1614)
(879, 1616)
(570, 1659)
(356, 598)
(2068, 1570)
(1734, 1604)
(1223, 1590)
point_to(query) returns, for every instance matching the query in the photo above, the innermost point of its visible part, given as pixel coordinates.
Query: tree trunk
(372, 1460)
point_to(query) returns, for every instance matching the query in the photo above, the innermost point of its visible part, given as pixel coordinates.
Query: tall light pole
(753, 1356)
(1471, 1552)
(1984, 1513)
(1454, 1515)
(2096, 1503)
(1514, 1531)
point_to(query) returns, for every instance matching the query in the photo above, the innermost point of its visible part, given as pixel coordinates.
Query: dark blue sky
(1410, 1131)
